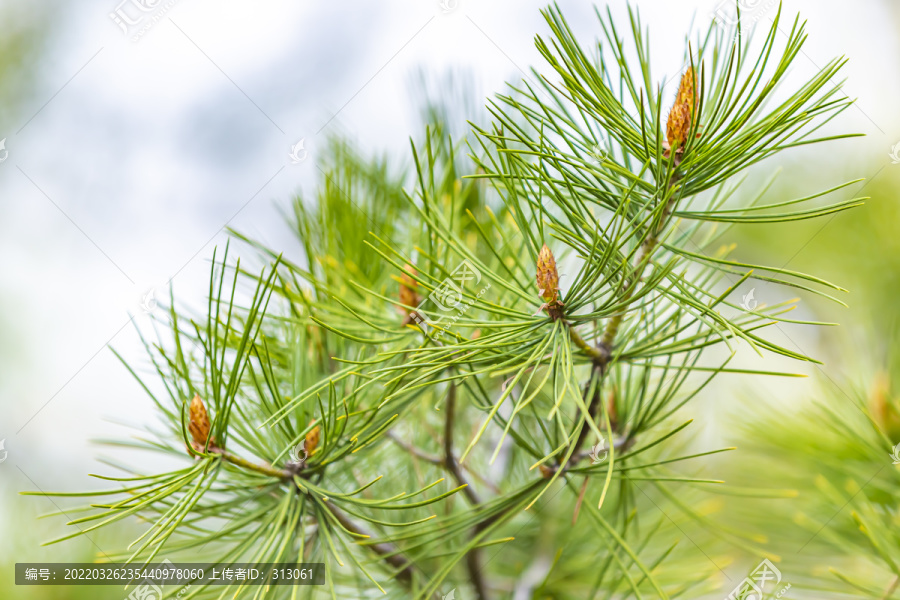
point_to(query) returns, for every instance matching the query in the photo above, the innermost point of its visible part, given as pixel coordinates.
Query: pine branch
(473, 557)
(353, 346)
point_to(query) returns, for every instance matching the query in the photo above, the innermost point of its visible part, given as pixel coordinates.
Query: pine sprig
(511, 345)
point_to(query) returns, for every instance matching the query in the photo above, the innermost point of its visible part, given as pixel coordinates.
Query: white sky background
(130, 170)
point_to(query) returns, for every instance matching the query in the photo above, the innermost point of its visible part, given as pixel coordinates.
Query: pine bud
(311, 441)
(199, 424)
(409, 294)
(678, 126)
(612, 411)
(547, 275)
(548, 284)
(885, 410)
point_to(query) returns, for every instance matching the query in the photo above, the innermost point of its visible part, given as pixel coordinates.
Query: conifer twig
(473, 556)
(390, 553)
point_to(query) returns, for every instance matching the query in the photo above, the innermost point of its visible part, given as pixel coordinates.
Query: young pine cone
(678, 126)
(548, 282)
(547, 275)
(199, 425)
(409, 292)
(311, 441)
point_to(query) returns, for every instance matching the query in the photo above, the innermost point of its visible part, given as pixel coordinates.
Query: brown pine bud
(409, 294)
(612, 411)
(199, 424)
(547, 275)
(678, 126)
(548, 283)
(884, 408)
(311, 441)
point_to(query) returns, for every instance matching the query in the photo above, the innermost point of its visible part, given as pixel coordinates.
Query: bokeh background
(130, 151)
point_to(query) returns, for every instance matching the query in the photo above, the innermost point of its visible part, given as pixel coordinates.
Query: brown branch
(429, 458)
(388, 552)
(602, 353)
(449, 458)
(473, 557)
(593, 407)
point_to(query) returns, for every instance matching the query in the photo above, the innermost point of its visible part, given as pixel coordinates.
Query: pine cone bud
(409, 294)
(547, 275)
(884, 409)
(678, 126)
(311, 441)
(612, 411)
(199, 424)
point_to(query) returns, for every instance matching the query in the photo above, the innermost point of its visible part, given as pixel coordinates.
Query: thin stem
(473, 557)
(449, 459)
(890, 590)
(429, 458)
(438, 461)
(641, 260)
(599, 354)
(388, 552)
(593, 407)
(602, 354)
(251, 466)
